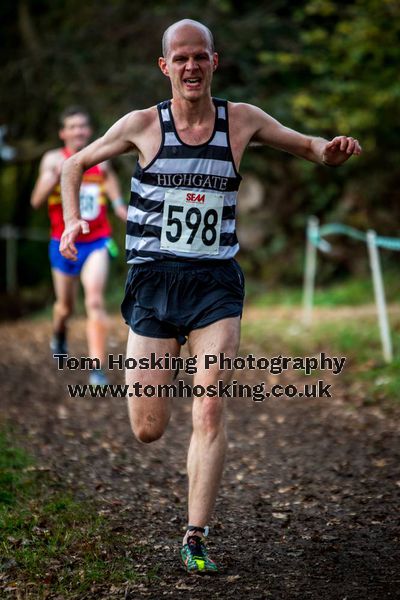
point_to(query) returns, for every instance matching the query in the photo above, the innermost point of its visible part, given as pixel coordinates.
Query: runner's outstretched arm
(267, 130)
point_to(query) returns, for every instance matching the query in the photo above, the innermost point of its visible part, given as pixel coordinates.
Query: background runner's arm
(49, 177)
(113, 191)
(267, 130)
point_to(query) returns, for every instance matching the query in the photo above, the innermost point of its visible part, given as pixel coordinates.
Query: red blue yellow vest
(93, 206)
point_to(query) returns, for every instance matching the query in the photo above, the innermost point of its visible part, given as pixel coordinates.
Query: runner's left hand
(338, 150)
(70, 233)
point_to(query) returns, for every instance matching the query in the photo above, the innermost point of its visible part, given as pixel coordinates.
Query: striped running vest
(183, 203)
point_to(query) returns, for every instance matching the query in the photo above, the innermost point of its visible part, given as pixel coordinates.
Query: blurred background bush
(322, 67)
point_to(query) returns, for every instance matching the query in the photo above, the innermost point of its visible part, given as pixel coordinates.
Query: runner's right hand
(70, 233)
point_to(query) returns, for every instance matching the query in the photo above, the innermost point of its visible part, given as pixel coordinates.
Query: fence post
(379, 296)
(310, 270)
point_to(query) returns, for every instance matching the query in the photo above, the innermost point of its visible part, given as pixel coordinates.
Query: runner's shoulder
(242, 111)
(138, 121)
(52, 159)
(248, 120)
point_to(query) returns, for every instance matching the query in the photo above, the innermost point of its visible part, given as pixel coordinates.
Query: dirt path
(309, 503)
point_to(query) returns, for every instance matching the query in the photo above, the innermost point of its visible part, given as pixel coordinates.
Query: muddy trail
(308, 506)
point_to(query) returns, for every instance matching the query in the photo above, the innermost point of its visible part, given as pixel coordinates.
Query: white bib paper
(89, 199)
(192, 221)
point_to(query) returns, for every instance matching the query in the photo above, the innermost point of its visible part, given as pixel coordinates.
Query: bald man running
(184, 282)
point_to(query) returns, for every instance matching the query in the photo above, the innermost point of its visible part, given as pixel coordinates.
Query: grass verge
(351, 332)
(354, 291)
(52, 544)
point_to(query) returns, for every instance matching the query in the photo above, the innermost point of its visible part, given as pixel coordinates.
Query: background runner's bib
(89, 200)
(184, 202)
(192, 221)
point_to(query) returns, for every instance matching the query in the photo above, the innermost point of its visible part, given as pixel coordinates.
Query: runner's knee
(63, 309)
(94, 305)
(148, 427)
(208, 416)
(147, 433)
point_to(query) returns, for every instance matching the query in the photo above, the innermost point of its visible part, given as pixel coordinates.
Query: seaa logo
(193, 197)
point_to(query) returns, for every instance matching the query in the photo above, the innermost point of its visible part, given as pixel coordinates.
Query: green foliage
(319, 66)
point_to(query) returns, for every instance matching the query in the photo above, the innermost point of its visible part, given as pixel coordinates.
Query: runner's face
(190, 63)
(76, 132)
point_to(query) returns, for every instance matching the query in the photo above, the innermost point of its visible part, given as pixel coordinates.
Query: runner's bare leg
(149, 416)
(208, 443)
(65, 289)
(94, 279)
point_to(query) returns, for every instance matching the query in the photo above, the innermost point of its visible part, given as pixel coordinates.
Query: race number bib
(192, 221)
(89, 199)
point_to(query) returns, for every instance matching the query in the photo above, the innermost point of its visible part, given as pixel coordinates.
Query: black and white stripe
(209, 166)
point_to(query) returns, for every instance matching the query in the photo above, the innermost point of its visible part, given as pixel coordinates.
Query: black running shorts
(168, 299)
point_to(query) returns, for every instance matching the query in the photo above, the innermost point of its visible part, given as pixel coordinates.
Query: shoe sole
(201, 573)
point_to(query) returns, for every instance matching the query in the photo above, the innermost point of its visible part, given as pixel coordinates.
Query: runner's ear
(215, 60)
(162, 63)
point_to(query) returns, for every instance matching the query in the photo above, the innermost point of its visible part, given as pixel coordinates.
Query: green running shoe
(195, 557)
